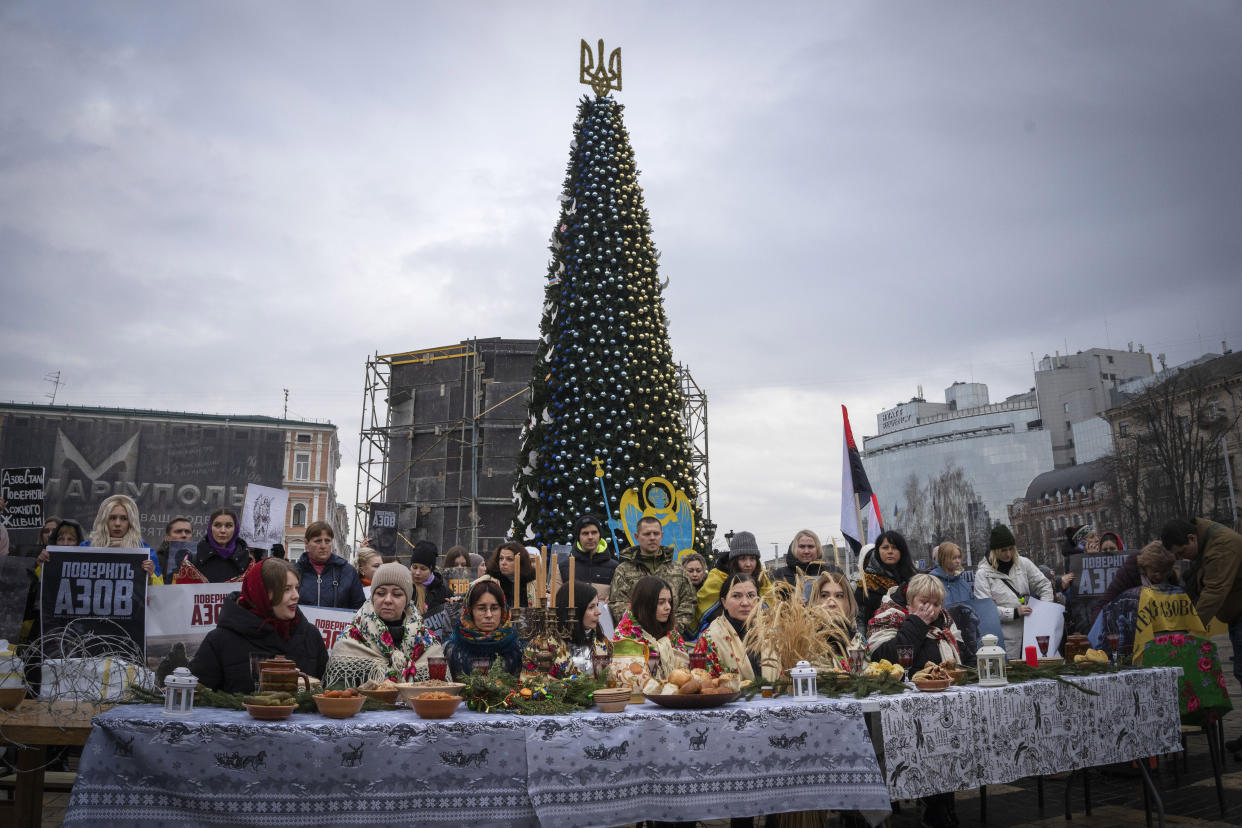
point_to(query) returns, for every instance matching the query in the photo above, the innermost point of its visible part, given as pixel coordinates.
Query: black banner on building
(89, 593)
(383, 529)
(21, 489)
(170, 466)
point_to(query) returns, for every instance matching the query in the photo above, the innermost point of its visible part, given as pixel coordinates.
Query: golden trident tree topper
(593, 73)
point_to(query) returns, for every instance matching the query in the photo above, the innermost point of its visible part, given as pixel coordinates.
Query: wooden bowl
(384, 696)
(435, 708)
(11, 697)
(339, 708)
(933, 685)
(612, 705)
(270, 713)
(410, 691)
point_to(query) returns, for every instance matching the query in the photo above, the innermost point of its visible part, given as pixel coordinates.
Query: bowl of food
(387, 692)
(340, 704)
(435, 704)
(269, 709)
(933, 685)
(412, 690)
(612, 699)
(11, 697)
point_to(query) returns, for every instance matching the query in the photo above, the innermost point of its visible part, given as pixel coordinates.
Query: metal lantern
(179, 692)
(990, 663)
(803, 675)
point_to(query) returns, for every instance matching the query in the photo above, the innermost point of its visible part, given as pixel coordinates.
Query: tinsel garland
(500, 692)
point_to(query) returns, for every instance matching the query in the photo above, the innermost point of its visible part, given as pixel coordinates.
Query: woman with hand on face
(262, 619)
(116, 525)
(722, 643)
(887, 565)
(386, 638)
(485, 632)
(1010, 580)
(650, 619)
(221, 555)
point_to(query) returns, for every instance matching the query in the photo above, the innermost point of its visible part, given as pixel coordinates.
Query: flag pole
(862, 540)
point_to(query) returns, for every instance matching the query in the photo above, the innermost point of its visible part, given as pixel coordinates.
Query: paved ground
(1116, 794)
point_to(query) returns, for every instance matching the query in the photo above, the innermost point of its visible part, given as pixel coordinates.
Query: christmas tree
(604, 384)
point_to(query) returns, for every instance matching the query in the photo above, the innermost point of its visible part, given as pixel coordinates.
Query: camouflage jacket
(634, 567)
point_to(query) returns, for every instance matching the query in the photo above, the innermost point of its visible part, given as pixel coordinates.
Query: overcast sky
(204, 203)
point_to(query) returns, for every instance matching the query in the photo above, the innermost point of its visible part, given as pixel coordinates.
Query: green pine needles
(604, 383)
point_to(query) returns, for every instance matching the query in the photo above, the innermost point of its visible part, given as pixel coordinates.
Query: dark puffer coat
(793, 568)
(223, 659)
(339, 586)
(596, 567)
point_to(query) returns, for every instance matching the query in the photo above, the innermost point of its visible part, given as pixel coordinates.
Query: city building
(173, 463)
(1072, 388)
(1058, 499)
(1178, 436)
(999, 447)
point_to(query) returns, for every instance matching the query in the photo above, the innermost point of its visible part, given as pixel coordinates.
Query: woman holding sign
(116, 525)
(1010, 580)
(262, 619)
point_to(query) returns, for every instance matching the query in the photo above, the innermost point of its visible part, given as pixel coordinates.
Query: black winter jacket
(794, 567)
(217, 569)
(223, 659)
(592, 567)
(339, 586)
(437, 594)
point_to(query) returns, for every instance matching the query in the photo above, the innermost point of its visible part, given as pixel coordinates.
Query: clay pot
(282, 675)
(1076, 644)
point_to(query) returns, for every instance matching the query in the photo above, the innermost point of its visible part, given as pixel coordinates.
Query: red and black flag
(856, 494)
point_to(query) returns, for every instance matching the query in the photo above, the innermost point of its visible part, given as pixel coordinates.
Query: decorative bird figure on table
(660, 500)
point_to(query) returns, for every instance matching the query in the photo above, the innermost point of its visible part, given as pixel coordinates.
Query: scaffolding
(388, 474)
(456, 439)
(695, 416)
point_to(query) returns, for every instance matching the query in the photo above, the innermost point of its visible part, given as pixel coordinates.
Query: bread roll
(709, 682)
(691, 687)
(669, 689)
(700, 674)
(652, 687)
(679, 676)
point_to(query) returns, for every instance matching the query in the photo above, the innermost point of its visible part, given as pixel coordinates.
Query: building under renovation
(439, 439)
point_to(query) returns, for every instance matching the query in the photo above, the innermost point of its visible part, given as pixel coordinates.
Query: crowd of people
(674, 606)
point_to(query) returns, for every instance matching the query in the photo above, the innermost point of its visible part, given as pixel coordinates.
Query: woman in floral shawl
(386, 635)
(485, 631)
(651, 619)
(913, 615)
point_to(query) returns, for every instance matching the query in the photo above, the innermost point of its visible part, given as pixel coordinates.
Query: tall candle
(517, 579)
(572, 561)
(539, 575)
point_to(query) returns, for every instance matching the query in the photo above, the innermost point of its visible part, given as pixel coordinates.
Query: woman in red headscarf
(262, 619)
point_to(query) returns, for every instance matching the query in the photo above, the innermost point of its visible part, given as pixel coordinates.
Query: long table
(31, 728)
(970, 736)
(763, 756)
(223, 767)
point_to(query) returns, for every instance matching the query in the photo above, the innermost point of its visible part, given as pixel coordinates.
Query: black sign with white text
(93, 592)
(21, 489)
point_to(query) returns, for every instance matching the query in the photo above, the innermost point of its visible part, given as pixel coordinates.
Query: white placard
(263, 516)
(1046, 618)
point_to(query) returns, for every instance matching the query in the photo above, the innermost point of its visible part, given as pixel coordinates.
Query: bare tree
(1171, 447)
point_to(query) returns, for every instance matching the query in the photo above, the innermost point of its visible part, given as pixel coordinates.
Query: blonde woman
(116, 525)
(832, 591)
(367, 561)
(1010, 580)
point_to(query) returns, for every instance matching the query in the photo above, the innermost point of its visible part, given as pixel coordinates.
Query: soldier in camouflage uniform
(650, 558)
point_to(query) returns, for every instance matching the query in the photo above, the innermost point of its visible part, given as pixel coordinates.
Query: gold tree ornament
(593, 72)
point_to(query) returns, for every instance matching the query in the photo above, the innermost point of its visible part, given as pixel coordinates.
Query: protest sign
(263, 516)
(459, 578)
(179, 617)
(383, 529)
(21, 489)
(92, 592)
(1093, 574)
(178, 551)
(330, 622)
(15, 581)
(1046, 618)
